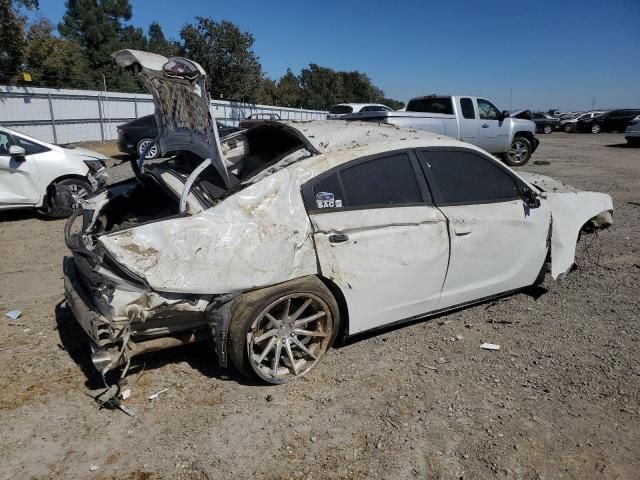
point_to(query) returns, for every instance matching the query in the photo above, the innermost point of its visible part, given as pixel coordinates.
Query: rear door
(498, 243)
(493, 134)
(19, 177)
(468, 120)
(379, 238)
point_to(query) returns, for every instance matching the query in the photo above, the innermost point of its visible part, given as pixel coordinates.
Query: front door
(498, 243)
(19, 178)
(493, 133)
(379, 238)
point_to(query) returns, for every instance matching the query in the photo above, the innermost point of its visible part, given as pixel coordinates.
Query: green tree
(159, 44)
(320, 87)
(226, 55)
(288, 91)
(53, 61)
(267, 93)
(391, 103)
(12, 41)
(97, 26)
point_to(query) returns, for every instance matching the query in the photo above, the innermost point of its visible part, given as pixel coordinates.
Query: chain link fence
(66, 116)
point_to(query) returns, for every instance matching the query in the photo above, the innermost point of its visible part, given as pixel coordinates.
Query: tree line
(76, 53)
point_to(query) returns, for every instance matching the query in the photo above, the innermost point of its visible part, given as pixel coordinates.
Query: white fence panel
(65, 116)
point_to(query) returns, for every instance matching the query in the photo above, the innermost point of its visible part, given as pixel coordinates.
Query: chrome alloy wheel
(151, 153)
(289, 337)
(518, 152)
(78, 192)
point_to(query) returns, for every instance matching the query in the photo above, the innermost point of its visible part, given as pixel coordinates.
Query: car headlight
(94, 165)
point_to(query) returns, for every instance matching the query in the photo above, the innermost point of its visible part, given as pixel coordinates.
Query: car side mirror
(17, 152)
(504, 114)
(531, 198)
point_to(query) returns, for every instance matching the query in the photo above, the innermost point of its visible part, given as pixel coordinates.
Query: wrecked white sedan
(290, 234)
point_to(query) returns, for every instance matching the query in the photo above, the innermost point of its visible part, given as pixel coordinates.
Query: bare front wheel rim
(78, 193)
(288, 338)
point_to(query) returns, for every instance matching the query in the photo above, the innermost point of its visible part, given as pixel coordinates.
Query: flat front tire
(519, 153)
(64, 196)
(281, 333)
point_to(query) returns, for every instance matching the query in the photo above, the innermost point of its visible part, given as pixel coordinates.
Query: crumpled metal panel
(258, 237)
(570, 211)
(182, 108)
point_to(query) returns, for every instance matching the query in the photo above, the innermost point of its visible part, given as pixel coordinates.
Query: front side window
(487, 110)
(30, 148)
(377, 182)
(459, 177)
(340, 109)
(5, 143)
(468, 111)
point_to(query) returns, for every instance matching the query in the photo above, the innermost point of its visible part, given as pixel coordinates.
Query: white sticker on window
(327, 200)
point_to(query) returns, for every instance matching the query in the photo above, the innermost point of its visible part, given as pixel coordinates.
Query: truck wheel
(595, 128)
(519, 153)
(280, 333)
(547, 129)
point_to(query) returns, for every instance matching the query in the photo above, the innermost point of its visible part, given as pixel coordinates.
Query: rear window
(431, 105)
(146, 121)
(340, 109)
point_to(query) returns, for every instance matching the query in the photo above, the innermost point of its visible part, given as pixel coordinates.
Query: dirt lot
(561, 399)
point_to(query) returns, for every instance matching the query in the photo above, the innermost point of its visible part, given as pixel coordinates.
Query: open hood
(182, 105)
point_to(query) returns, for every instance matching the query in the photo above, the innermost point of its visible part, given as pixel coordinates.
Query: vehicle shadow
(23, 214)
(622, 145)
(199, 356)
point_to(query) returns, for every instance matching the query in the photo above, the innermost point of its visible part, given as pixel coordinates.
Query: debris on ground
(490, 346)
(541, 162)
(93, 468)
(14, 314)
(153, 396)
(125, 394)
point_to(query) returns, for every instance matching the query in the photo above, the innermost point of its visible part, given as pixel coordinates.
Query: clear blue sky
(552, 53)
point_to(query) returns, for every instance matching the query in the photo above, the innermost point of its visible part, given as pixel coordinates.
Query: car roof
(332, 135)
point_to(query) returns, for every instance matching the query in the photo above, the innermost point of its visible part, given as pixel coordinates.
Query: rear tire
(547, 129)
(153, 152)
(519, 153)
(595, 128)
(568, 128)
(264, 326)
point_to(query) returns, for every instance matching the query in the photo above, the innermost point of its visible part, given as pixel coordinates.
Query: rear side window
(378, 182)
(431, 105)
(383, 181)
(340, 109)
(146, 121)
(459, 177)
(466, 105)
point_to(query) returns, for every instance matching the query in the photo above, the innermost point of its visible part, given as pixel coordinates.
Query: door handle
(460, 231)
(338, 238)
(485, 125)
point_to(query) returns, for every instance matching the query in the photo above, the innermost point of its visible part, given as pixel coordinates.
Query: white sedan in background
(50, 178)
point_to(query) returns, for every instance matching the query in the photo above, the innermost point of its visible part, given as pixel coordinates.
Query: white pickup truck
(470, 119)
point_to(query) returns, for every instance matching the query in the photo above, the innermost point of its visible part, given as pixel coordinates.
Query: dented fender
(569, 212)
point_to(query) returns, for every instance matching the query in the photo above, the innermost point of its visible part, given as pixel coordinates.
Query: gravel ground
(561, 399)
